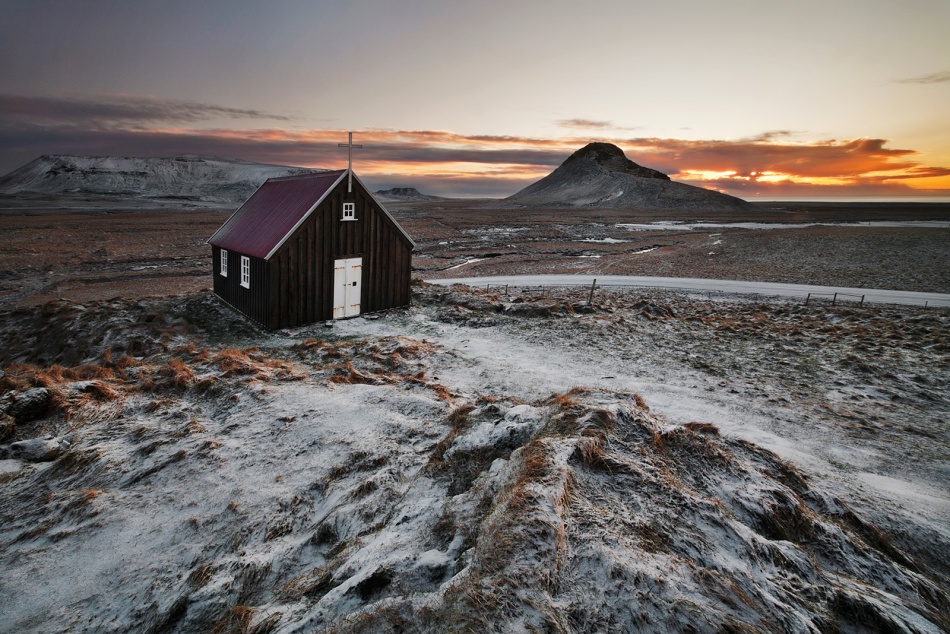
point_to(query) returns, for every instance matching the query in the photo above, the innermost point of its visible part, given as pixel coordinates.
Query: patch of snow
(468, 261)
(10, 466)
(605, 240)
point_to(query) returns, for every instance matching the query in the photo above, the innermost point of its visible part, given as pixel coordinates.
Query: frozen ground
(478, 462)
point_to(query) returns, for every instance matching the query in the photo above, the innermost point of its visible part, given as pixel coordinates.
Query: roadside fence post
(834, 299)
(807, 298)
(861, 303)
(590, 298)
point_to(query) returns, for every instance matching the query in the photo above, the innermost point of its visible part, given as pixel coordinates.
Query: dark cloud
(584, 124)
(590, 124)
(770, 136)
(933, 78)
(113, 110)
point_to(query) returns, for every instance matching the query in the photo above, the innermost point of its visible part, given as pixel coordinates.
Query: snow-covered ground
(479, 462)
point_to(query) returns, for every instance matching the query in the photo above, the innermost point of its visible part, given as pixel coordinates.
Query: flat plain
(95, 250)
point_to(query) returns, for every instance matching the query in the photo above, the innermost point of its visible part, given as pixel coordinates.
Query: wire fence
(807, 297)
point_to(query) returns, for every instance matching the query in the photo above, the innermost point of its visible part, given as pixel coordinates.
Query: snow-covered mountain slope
(191, 178)
(600, 175)
(404, 194)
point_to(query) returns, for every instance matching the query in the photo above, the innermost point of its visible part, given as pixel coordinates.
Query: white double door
(347, 280)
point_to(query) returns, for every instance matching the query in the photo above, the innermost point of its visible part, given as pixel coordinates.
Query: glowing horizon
(437, 109)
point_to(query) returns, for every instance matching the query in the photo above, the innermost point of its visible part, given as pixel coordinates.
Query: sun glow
(506, 163)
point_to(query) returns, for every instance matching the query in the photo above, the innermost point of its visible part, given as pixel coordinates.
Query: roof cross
(349, 161)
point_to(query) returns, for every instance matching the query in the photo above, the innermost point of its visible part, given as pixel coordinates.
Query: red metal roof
(273, 212)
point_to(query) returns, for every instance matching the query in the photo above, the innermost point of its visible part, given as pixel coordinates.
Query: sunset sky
(761, 99)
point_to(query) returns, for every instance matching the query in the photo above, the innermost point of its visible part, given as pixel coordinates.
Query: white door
(347, 280)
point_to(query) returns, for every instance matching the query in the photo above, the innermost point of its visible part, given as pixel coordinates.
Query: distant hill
(600, 175)
(400, 194)
(184, 178)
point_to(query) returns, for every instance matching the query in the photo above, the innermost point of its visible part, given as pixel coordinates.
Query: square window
(224, 263)
(349, 211)
(245, 271)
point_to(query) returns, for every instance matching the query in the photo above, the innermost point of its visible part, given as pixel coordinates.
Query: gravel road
(878, 296)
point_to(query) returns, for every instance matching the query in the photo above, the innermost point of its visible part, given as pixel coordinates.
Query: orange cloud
(772, 164)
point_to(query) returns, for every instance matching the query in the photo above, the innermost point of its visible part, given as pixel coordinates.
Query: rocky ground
(478, 462)
(96, 254)
(461, 241)
(95, 250)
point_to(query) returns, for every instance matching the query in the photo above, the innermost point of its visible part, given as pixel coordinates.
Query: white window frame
(245, 271)
(349, 211)
(224, 262)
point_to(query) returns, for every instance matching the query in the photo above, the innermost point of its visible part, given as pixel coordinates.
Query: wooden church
(311, 248)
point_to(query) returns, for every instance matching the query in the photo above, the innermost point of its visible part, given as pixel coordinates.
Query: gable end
(303, 218)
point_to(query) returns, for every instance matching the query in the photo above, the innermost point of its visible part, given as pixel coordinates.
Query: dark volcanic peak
(600, 175)
(612, 159)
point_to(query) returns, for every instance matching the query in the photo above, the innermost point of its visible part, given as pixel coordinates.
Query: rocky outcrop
(404, 194)
(29, 405)
(37, 449)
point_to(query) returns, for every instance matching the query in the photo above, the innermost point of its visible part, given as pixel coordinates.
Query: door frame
(347, 287)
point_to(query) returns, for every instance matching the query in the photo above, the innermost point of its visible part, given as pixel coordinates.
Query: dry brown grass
(441, 392)
(234, 362)
(349, 375)
(312, 585)
(459, 422)
(702, 428)
(175, 374)
(591, 451)
(534, 461)
(90, 494)
(102, 391)
(22, 376)
(201, 575)
(237, 620)
(458, 417)
(250, 363)
(566, 400)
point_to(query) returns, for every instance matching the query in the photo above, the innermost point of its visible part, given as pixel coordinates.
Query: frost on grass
(313, 484)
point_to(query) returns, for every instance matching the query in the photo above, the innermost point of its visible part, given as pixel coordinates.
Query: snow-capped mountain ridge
(189, 177)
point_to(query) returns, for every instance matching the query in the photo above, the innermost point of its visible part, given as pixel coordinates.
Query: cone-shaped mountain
(600, 175)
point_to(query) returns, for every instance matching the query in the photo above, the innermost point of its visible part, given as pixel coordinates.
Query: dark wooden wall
(301, 272)
(254, 301)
